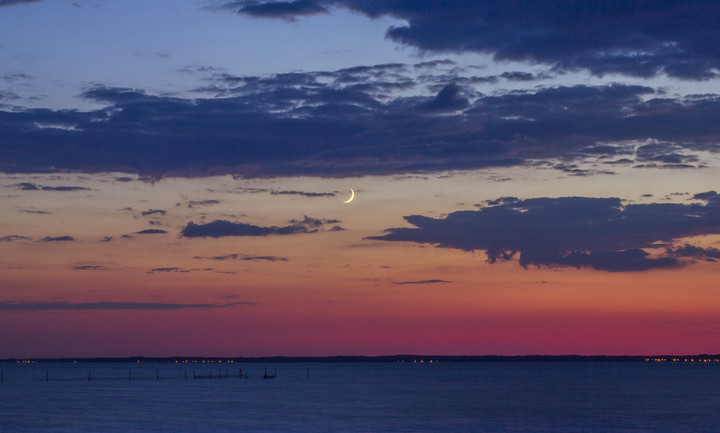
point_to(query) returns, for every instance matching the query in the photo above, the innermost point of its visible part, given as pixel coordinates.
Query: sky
(526, 178)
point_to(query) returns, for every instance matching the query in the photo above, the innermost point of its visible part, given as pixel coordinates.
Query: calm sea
(363, 397)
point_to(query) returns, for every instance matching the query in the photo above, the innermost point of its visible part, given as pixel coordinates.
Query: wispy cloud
(154, 212)
(178, 269)
(208, 202)
(12, 238)
(35, 212)
(83, 306)
(304, 193)
(17, 2)
(29, 186)
(91, 268)
(422, 282)
(244, 258)
(57, 239)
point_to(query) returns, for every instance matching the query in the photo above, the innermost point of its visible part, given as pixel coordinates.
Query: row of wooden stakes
(209, 375)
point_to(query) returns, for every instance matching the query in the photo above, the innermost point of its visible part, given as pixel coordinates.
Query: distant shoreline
(702, 358)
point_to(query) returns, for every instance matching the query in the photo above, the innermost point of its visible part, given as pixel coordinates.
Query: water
(363, 397)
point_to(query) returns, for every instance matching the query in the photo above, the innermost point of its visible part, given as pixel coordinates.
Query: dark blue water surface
(363, 397)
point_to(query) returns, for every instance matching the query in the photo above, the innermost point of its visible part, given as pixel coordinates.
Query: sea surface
(361, 397)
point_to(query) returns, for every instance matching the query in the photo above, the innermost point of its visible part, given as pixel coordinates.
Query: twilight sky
(530, 177)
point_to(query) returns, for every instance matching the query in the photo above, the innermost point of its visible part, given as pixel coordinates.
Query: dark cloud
(154, 212)
(599, 233)
(178, 269)
(448, 99)
(708, 195)
(151, 232)
(193, 203)
(57, 239)
(13, 238)
(263, 259)
(244, 258)
(11, 78)
(518, 76)
(36, 212)
(91, 268)
(277, 9)
(106, 239)
(304, 193)
(307, 221)
(422, 282)
(696, 252)
(342, 124)
(17, 2)
(221, 228)
(174, 269)
(84, 306)
(640, 38)
(28, 186)
(9, 96)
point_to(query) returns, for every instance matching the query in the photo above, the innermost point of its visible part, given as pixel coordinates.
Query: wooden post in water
(2, 376)
(89, 373)
(185, 374)
(46, 375)
(130, 375)
(194, 375)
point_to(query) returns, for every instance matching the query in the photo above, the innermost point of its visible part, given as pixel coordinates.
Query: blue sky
(65, 46)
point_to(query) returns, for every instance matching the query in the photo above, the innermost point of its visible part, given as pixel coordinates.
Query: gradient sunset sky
(529, 177)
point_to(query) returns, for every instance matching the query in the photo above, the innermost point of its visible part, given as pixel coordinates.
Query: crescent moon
(352, 196)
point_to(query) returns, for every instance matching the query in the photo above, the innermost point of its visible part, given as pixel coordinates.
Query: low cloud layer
(243, 257)
(599, 233)
(178, 269)
(151, 232)
(13, 238)
(422, 282)
(222, 228)
(84, 306)
(29, 186)
(65, 238)
(91, 268)
(304, 193)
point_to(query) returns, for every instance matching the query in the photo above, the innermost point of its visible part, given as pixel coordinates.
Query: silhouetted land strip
(391, 358)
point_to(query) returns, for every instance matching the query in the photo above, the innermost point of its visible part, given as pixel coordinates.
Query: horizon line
(704, 357)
